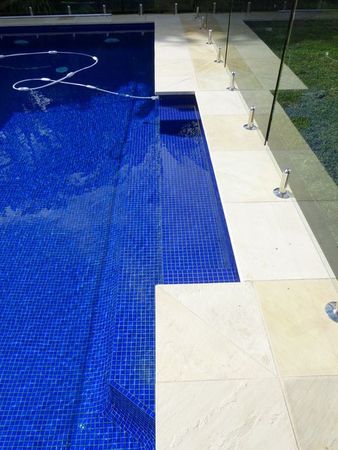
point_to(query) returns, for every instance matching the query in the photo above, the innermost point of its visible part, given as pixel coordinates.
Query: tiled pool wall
(196, 243)
(160, 240)
(81, 256)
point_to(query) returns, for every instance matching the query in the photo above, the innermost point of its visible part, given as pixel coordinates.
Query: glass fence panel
(304, 134)
(206, 36)
(302, 131)
(80, 7)
(254, 63)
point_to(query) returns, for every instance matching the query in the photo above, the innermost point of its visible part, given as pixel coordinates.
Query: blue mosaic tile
(103, 197)
(196, 244)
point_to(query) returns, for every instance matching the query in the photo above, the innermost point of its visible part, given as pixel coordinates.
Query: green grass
(315, 111)
(313, 4)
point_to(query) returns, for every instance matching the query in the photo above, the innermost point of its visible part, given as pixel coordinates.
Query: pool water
(103, 197)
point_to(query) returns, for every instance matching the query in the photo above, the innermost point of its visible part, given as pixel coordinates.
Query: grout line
(279, 377)
(214, 380)
(278, 280)
(295, 377)
(209, 326)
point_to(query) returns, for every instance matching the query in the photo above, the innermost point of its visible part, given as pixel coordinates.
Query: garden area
(313, 57)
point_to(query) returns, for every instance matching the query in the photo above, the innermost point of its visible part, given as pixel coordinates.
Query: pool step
(131, 415)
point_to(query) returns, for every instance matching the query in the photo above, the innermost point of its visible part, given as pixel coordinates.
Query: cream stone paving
(322, 216)
(226, 132)
(210, 77)
(260, 98)
(303, 339)
(198, 49)
(313, 408)
(201, 351)
(262, 61)
(208, 396)
(311, 181)
(246, 176)
(270, 239)
(220, 103)
(270, 242)
(245, 77)
(236, 414)
(230, 309)
(174, 70)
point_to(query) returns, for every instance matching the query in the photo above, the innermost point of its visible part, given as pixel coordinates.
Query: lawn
(313, 56)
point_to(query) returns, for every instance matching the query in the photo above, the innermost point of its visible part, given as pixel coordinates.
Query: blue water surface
(103, 197)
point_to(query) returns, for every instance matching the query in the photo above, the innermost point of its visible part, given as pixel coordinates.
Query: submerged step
(132, 415)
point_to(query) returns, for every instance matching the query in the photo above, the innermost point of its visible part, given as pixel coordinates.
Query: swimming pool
(104, 196)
